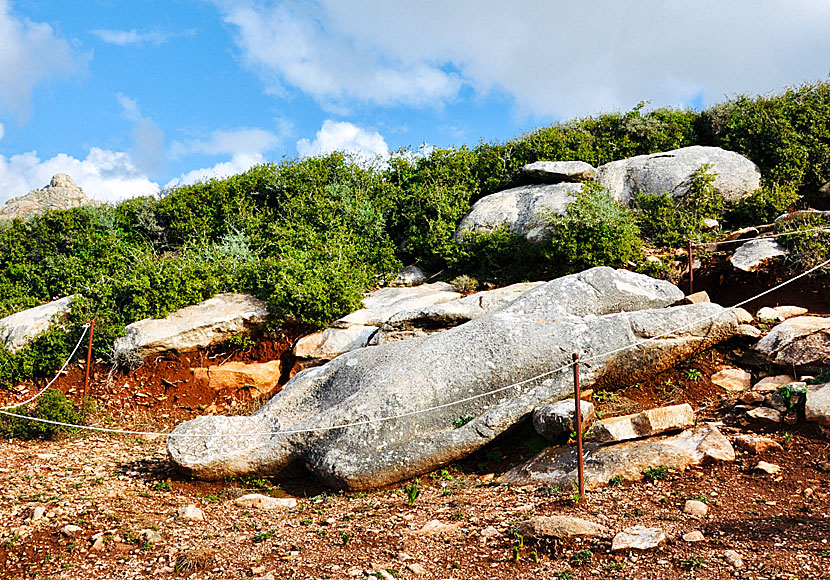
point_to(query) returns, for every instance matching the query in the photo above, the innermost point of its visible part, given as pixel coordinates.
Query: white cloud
(343, 136)
(2, 131)
(31, 53)
(243, 140)
(148, 150)
(557, 58)
(239, 163)
(104, 175)
(136, 37)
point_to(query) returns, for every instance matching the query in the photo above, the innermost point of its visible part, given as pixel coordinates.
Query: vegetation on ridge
(309, 236)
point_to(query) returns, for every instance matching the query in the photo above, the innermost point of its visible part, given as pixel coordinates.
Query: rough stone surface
(645, 424)
(61, 193)
(150, 536)
(332, 342)
(695, 508)
(209, 322)
(744, 317)
(265, 502)
(562, 527)
(756, 444)
(733, 559)
(769, 384)
(765, 415)
(259, 378)
(638, 538)
(71, 530)
(769, 468)
(435, 318)
(817, 404)
(16, 330)
(523, 210)
(733, 379)
(559, 171)
(697, 297)
(190, 513)
(558, 465)
(535, 333)
(693, 536)
(671, 171)
(410, 276)
(382, 304)
(757, 255)
(802, 342)
(556, 422)
(749, 331)
(779, 313)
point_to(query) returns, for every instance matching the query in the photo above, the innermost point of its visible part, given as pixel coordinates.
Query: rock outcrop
(559, 171)
(17, 330)
(558, 465)
(671, 172)
(522, 210)
(757, 255)
(209, 322)
(380, 394)
(802, 342)
(61, 193)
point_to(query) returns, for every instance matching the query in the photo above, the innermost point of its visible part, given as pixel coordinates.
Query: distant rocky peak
(61, 193)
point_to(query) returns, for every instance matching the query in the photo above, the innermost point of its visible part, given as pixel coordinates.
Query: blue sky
(132, 97)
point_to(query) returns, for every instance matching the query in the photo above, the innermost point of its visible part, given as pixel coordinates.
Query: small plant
(464, 284)
(822, 377)
(693, 374)
(614, 567)
(162, 486)
(787, 393)
(457, 516)
(693, 563)
(412, 492)
(656, 473)
(306, 522)
(242, 342)
(581, 558)
(616, 480)
(604, 396)
(516, 556)
(548, 490)
(534, 555)
(345, 539)
(564, 574)
(461, 421)
(264, 536)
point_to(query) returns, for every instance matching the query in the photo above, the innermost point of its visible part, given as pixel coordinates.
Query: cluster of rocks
(61, 193)
(524, 210)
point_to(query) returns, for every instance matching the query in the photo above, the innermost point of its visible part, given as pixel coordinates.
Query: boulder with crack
(20, 328)
(802, 342)
(359, 421)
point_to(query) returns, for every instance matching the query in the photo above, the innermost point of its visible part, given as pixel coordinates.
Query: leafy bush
(806, 248)
(667, 221)
(594, 231)
(52, 405)
(764, 205)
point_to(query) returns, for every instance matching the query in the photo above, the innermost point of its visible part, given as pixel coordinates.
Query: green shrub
(595, 231)
(764, 205)
(52, 405)
(806, 248)
(501, 257)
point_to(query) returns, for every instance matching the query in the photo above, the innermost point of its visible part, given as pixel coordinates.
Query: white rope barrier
(428, 409)
(745, 240)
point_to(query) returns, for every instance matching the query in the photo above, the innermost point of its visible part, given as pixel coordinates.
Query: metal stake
(578, 420)
(89, 358)
(691, 268)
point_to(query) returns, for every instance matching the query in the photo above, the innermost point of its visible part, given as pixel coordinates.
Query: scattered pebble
(190, 513)
(695, 508)
(770, 468)
(693, 536)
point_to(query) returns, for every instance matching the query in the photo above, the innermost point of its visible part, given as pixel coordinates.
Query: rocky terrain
(60, 193)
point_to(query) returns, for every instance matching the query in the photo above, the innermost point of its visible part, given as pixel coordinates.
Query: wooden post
(691, 268)
(578, 421)
(89, 358)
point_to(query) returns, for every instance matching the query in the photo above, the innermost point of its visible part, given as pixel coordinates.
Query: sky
(132, 98)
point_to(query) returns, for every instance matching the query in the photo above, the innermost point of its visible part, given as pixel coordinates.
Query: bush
(595, 231)
(806, 248)
(52, 405)
(667, 221)
(764, 205)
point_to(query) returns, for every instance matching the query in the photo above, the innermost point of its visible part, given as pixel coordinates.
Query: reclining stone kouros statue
(591, 313)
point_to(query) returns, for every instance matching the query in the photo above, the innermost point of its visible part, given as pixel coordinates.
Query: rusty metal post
(578, 420)
(691, 268)
(89, 358)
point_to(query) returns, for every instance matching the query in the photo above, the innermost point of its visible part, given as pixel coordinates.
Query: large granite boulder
(558, 465)
(435, 318)
(671, 171)
(18, 329)
(523, 210)
(559, 171)
(757, 255)
(61, 193)
(802, 342)
(209, 322)
(359, 422)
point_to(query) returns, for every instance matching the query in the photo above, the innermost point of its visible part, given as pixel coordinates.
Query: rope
(55, 378)
(743, 241)
(428, 409)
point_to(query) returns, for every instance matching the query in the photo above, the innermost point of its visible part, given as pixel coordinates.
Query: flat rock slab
(644, 424)
(779, 313)
(733, 379)
(562, 527)
(560, 171)
(209, 322)
(817, 404)
(756, 444)
(332, 342)
(773, 383)
(558, 465)
(265, 502)
(802, 342)
(536, 333)
(18, 329)
(382, 304)
(638, 538)
(671, 171)
(260, 378)
(522, 210)
(757, 255)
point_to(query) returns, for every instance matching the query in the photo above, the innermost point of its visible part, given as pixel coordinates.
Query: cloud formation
(344, 136)
(31, 53)
(148, 151)
(136, 37)
(555, 58)
(104, 175)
